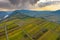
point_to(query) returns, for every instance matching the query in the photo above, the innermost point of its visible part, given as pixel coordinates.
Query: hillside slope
(22, 27)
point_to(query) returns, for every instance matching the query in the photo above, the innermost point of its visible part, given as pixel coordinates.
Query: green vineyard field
(29, 29)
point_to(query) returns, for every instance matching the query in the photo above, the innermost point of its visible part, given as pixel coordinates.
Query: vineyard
(29, 29)
(22, 27)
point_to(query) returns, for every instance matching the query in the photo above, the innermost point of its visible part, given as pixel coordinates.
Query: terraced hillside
(22, 27)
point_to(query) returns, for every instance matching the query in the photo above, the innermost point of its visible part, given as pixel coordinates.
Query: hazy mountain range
(53, 16)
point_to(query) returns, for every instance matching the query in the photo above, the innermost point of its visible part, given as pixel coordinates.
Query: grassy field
(29, 29)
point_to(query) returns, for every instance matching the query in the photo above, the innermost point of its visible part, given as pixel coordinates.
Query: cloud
(43, 4)
(14, 2)
(24, 4)
(17, 4)
(5, 5)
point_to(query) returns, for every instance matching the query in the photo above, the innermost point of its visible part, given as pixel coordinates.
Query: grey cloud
(23, 4)
(17, 4)
(43, 4)
(4, 5)
(14, 2)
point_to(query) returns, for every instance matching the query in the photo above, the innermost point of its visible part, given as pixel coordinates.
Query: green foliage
(30, 29)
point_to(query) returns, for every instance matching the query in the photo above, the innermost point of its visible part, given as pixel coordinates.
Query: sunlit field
(29, 29)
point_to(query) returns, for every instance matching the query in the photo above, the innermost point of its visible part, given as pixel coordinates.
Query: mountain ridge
(44, 14)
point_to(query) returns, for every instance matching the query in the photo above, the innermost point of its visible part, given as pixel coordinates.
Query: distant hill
(4, 14)
(53, 16)
(18, 14)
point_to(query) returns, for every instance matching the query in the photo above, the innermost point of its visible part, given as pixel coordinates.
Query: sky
(6, 5)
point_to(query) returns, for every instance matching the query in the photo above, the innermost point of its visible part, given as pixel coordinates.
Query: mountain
(4, 14)
(35, 13)
(53, 16)
(18, 14)
(21, 26)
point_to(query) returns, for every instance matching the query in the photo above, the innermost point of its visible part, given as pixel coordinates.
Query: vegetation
(29, 29)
